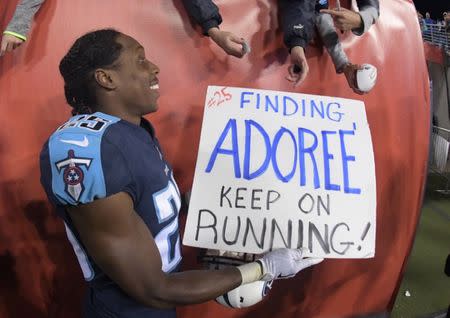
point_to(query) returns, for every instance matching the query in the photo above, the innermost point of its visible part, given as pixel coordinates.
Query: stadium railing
(436, 34)
(439, 155)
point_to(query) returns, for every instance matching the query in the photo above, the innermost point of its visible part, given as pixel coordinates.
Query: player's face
(138, 85)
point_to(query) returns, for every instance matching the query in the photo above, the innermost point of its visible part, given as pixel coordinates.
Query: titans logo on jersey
(73, 175)
(94, 156)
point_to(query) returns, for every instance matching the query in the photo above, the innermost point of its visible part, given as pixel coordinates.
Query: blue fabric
(119, 305)
(429, 21)
(75, 154)
(94, 156)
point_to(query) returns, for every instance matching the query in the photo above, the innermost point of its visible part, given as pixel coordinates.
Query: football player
(106, 174)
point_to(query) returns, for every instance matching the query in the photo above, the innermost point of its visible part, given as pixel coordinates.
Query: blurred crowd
(436, 31)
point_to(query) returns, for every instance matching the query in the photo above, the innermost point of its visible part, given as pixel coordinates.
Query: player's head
(107, 71)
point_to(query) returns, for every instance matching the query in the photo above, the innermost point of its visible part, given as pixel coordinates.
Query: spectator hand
(299, 66)
(285, 263)
(229, 42)
(344, 19)
(9, 43)
(350, 74)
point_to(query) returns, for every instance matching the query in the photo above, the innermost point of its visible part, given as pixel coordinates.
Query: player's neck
(112, 105)
(131, 118)
(122, 114)
(134, 119)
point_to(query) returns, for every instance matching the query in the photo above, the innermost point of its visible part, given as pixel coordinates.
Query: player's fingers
(304, 250)
(297, 254)
(308, 262)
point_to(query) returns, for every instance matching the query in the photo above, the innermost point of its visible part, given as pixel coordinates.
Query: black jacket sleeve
(369, 10)
(204, 12)
(297, 19)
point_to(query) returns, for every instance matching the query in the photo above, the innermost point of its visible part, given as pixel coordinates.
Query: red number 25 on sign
(219, 97)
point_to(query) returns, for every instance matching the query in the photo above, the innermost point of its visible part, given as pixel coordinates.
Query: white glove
(285, 263)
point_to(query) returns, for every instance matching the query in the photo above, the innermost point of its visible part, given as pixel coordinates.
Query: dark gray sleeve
(369, 10)
(297, 19)
(23, 16)
(204, 12)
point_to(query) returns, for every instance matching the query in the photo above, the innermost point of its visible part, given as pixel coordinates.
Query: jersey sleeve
(78, 169)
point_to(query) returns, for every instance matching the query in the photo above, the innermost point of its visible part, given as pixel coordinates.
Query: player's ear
(104, 78)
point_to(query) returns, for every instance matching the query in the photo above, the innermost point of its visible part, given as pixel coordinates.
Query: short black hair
(91, 51)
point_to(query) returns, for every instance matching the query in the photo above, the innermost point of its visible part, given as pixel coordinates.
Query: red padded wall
(39, 275)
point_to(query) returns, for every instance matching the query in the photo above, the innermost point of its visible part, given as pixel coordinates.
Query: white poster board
(278, 169)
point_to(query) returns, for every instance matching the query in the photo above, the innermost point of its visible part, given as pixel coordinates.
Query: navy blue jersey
(94, 156)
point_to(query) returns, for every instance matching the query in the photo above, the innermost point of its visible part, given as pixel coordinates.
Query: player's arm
(121, 244)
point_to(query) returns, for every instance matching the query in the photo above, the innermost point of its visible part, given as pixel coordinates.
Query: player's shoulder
(83, 132)
(88, 124)
(76, 161)
(81, 137)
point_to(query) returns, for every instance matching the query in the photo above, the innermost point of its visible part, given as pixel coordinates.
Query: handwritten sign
(278, 169)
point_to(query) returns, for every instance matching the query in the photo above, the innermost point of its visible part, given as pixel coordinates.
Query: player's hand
(299, 68)
(285, 263)
(350, 74)
(9, 43)
(344, 19)
(229, 42)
